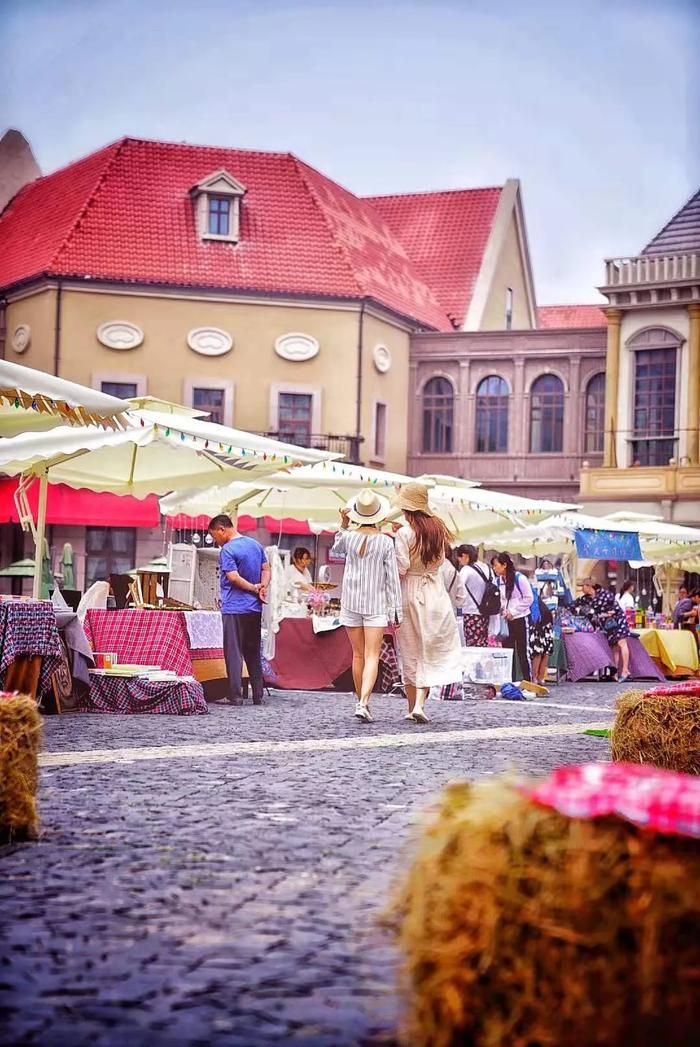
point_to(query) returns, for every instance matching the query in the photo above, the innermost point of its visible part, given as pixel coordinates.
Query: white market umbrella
(316, 493)
(154, 454)
(553, 536)
(311, 493)
(476, 513)
(33, 400)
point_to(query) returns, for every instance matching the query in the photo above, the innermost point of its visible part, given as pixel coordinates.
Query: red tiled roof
(124, 213)
(445, 234)
(571, 316)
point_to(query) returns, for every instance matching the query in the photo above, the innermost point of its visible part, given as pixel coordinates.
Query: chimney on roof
(17, 165)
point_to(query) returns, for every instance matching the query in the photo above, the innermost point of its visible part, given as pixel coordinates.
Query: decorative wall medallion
(119, 334)
(297, 347)
(209, 341)
(382, 358)
(21, 338)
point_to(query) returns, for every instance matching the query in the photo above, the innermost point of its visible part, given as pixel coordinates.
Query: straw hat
(368, 507)
(414, 498)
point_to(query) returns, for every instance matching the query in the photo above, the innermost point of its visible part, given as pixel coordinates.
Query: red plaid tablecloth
(114, 694)
(29, 628)
(647, 796)
(142, 638)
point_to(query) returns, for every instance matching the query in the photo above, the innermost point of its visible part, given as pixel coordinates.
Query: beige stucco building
(652, 409)
(251, 286)
(247, 285)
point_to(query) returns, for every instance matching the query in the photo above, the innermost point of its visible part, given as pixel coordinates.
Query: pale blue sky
(590, 104)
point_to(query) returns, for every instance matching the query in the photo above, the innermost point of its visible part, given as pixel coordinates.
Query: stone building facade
(520, 411)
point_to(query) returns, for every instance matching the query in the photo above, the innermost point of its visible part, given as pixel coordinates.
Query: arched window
(654, 414)
(492, 415)
(546, 415)
(594, 426)
(438, 412)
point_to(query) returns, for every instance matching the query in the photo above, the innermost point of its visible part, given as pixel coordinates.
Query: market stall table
(138, 694)
(587, 653)
(309, 661)
(674, 651)
(30, 647)
(172, 639)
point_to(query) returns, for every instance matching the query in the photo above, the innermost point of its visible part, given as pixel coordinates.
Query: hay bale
(20, 735)
(660, 727)
(523, 927)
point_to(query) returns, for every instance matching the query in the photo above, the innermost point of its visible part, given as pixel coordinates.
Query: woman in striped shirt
(371, 593)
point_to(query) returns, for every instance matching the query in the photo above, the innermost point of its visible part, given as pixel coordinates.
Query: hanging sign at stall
(607, 545)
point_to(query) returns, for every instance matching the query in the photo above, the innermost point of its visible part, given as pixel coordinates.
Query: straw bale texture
(659, 729)
(521, 927)
(20, 735)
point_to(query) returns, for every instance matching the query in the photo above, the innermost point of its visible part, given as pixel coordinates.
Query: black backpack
(490, 602)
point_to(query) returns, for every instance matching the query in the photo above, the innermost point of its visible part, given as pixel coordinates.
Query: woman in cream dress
(429, 640)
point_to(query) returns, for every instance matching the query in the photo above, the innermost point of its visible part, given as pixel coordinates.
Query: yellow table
(674, 650)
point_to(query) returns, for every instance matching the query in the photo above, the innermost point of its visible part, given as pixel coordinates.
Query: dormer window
(217, 202)
(219, 216)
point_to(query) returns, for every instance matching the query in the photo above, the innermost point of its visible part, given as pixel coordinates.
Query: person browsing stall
(244, 577)
(297, 576)
(516, 602)
(429, 641)
(371, 592)
(483, 601)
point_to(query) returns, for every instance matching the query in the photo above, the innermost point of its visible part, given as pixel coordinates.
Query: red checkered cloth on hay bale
(647, 796)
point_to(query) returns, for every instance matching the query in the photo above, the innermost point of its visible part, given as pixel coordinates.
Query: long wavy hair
(505, 560)
(431, 535)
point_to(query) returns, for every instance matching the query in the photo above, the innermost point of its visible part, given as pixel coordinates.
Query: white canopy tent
(660, 542)
(32, 400)
(315, 494)
(312, 493)
(153, 454)
(475, 514)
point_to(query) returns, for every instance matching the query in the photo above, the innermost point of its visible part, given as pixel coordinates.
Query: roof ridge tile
(340, 248)
(120, 145)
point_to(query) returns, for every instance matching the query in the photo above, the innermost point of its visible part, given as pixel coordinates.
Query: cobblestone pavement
(209, 897)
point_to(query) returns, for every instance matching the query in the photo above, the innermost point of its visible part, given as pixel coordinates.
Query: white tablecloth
(205, 630)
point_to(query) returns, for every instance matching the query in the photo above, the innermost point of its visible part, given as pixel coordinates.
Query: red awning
(182, 522)
(245, 523)
(83, 508)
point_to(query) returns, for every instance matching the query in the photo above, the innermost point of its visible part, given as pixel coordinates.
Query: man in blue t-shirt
(245, 574)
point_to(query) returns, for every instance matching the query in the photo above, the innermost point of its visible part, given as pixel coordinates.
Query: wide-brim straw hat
(414, 499)
(368, 507)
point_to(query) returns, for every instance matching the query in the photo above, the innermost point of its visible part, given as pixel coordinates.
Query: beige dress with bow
(428, 638)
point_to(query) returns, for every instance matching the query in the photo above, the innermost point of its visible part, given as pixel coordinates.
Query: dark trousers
(519, 640)
(242, 642)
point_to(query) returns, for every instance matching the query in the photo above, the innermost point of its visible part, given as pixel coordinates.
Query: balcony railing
(349, 446)
(649, 269)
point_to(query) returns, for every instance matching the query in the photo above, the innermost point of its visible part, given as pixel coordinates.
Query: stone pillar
(693, 419)
(464, 422)
(572, 408)
(519, 421)
(612, 381)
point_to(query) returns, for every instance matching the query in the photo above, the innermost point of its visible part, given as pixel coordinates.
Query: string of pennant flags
(75, 415)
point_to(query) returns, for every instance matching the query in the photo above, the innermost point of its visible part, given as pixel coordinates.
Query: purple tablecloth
(118, 694)
(587, 653)
(29, 628)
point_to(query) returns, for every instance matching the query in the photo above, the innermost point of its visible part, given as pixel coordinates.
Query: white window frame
(315, 391)
(228, 387)
(139, 380)
(376, 456)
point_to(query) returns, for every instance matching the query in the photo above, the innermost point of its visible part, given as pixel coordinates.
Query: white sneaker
(363, 713)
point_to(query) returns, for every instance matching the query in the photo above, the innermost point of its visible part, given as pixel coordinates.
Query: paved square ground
(217, 880)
